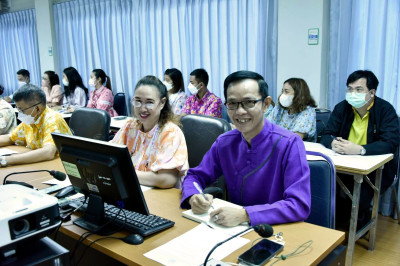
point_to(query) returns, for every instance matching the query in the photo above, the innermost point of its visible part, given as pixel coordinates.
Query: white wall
(17, 5)
(46, 35)
(295, 57)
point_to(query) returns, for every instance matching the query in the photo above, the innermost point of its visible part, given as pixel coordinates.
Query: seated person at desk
(295, 110)
(173, 80)
(363, 124)
(102, 97)
(202, 101)
(34, 132)
(75, 93)
(7, 117)
(157, 145)
(23, 77)
(264, 165)
(52, 89)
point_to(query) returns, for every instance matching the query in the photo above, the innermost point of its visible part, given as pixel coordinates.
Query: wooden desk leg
(374, 217)
(358, 179)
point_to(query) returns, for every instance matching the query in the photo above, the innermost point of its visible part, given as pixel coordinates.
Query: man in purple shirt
(202, 101)
(264, 165)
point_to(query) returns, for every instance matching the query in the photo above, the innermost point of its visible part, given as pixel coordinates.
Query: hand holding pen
(200, 203)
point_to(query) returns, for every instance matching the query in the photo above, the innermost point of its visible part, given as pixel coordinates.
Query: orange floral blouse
(158, 149)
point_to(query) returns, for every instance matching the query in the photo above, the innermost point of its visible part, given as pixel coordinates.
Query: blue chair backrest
(225, 114)
(323, 189)
(120, 104)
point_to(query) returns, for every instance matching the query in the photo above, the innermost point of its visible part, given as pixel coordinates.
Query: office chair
(323, 190)
(200, 133)
(225, 114)
(322, 117)
(90, 123)
(120, 104)
(394, 185)
(396, 179)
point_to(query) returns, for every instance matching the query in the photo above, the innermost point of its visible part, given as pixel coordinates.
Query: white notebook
(205, 217)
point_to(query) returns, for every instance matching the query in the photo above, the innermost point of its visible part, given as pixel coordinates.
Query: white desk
(359, 167)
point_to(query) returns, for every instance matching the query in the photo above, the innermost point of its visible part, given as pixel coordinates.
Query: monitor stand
(94, 220)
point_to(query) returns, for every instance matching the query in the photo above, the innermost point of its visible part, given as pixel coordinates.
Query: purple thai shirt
(209, 105)
(278, 192)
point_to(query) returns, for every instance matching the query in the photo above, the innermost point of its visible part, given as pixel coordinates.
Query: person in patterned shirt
(156, 143)
(34, 132)
(102, 97)
(202, 101)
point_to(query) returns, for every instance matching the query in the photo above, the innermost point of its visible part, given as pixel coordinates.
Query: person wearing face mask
(75, 93)
(156, 143)
(202, 101)
(295, 110)
(173, 80)
(23, 77)
(362, 124)
(34, 131)
(102, 97)
(52, 89)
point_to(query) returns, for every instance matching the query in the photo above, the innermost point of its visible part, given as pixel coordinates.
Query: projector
(25, 214)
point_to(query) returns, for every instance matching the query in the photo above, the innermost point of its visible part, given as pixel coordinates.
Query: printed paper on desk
(145, 188)
(205, 218)
(192, 247)
(312, 146)
(5, 151)
(54, 181)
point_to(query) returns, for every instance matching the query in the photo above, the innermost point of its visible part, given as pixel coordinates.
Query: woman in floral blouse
(102, 97)
(157, 145)
(173, 80)
(295, 110)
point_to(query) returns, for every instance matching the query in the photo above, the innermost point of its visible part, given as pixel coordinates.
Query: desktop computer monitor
(103, 172)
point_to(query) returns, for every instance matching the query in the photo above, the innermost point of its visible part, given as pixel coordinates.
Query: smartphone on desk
(260, 253)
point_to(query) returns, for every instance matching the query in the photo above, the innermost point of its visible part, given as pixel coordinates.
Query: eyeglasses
(357, 89)
(21, 111)
(247, 104)
(138, 104)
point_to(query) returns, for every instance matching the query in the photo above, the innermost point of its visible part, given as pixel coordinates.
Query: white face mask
(286, 100)
(21, 83)
(26, 119)
(193, 89)
(91, 83)
(168, 85)
(66, 83)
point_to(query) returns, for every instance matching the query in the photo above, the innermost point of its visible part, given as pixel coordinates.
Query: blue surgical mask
(357, 100)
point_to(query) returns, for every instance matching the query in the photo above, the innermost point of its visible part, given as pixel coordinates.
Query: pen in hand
(201, 191)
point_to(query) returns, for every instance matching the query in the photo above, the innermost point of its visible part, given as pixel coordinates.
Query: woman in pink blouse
(173, 80)
(52, 89)
(102, 97)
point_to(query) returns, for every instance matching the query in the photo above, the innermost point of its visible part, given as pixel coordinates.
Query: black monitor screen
(100, 168)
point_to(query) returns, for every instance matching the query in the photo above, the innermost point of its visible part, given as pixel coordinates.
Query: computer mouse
(67, 191)
(134, 239)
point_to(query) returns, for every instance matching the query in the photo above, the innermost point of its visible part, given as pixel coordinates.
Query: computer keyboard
(144, 225)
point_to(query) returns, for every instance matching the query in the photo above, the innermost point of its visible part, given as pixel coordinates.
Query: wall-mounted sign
(313, 36)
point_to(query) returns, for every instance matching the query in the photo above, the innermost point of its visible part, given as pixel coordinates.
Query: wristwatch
(3, 162)
(363, 151)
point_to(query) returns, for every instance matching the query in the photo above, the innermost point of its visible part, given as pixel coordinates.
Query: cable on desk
(88, 233)
(297, 251)
(67, 218)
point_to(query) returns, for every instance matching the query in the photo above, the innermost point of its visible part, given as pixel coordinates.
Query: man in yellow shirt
(34, 132)
(363, 124)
